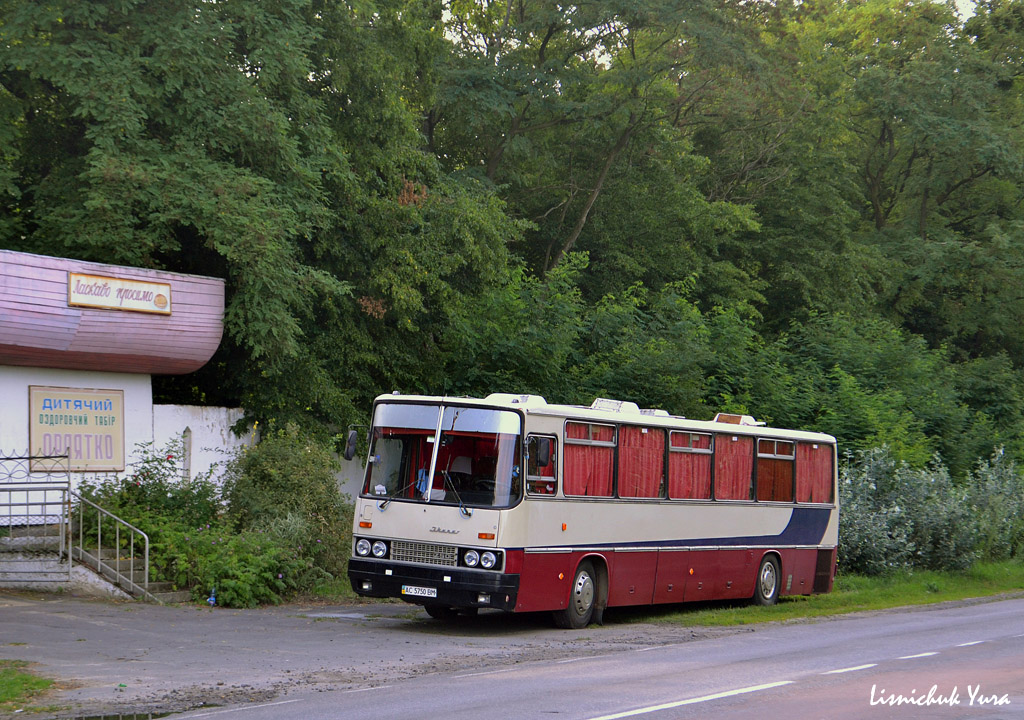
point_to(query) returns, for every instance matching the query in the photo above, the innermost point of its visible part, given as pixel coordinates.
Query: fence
(35, 494)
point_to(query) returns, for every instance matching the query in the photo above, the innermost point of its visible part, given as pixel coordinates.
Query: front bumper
(454, 587)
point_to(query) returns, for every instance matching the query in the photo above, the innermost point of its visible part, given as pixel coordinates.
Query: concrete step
(29, 543)
(167, 593)
(25, 531)
(171, 597)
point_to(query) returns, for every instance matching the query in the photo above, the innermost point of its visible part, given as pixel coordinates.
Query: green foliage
(996, 490)
(155, 487)
(894, 517)
(276, 528)
(285, 487)
(249, 568)
(812, 212)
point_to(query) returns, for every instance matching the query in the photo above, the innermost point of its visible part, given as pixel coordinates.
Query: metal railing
(33, 520)
(45, 526)
(125, 570)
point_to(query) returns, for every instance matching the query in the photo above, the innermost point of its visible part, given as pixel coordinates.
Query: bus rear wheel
(766, 588)
(582, 599)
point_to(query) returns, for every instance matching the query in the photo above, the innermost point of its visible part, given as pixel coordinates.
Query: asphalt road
(391, 661)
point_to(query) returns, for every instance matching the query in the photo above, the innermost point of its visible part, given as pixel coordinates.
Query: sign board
(87, 424)
(108, 293)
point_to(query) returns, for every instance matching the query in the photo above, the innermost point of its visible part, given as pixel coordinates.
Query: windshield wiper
(462, 507)
(391, 496)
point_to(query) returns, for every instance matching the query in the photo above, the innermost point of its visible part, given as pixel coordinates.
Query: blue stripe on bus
(806, 527)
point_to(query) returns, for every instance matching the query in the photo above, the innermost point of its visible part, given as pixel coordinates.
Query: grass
(854, 593)
(336, 590)
(17, 686)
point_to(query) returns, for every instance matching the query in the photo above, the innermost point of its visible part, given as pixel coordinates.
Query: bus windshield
(445, 454)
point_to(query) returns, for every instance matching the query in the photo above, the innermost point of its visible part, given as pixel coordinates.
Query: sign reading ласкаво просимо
(108, 293)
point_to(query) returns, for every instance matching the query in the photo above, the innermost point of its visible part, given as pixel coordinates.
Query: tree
(273, 146)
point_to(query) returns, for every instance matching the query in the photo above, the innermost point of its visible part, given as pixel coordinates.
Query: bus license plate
(419, 591)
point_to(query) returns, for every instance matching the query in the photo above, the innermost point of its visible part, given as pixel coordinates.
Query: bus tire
(441, 612)
(582, 599)
(766, 586)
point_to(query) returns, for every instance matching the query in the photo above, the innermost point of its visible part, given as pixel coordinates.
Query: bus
(513, 503)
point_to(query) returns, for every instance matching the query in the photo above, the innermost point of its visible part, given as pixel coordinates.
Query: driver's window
(542, 454)
(385, 469)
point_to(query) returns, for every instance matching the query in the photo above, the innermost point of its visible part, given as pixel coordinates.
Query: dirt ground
(112, 658)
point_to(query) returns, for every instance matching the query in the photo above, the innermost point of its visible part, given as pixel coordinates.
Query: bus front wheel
(441, 612)
(766, 589)
(582, 599)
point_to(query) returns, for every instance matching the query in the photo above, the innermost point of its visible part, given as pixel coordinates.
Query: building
(79, 344)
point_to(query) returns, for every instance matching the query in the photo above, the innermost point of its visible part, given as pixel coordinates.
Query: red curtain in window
(588, 469)
(689, 475)
(774, 479)
(577, 431)
(734, 465)
(641, 461)
(813, 473)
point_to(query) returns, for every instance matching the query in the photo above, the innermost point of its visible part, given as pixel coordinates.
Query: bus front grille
(426, 553)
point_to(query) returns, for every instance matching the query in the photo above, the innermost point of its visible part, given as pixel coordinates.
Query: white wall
(212, 442)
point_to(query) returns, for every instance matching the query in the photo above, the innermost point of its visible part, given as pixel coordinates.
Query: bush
(155, 488)
(896, 517)
(276, 527)
(997, 499)
(286, 486)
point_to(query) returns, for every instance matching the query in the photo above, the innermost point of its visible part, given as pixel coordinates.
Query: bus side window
(541, 478)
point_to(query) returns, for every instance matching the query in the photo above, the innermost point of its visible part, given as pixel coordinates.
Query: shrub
(155, 487)
(276, 527)
(286, 486)
(996, 491)
(894, 517)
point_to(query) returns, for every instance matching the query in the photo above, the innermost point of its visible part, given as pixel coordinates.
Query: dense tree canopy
(809, 211)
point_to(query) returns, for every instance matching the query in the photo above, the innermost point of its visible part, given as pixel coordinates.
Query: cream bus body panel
(642, 522)
(428, 522)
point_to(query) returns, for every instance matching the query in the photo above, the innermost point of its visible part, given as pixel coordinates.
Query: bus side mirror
(350, 444)
(543, 452)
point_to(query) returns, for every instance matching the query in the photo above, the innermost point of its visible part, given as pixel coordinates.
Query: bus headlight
(488, 560)
(362, 547)
(380, 549)
(471, 558)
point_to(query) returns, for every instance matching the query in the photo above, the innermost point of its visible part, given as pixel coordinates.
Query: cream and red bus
(512, 503)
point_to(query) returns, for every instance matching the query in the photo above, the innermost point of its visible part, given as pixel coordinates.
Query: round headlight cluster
(486, 559)
(379, 548)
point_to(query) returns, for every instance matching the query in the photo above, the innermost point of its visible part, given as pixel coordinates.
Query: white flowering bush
(894, 517)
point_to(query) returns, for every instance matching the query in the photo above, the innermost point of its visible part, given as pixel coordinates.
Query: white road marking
(693, 701)
(850, 669)
(244, 707)
(375, 687)
(976, 642)
(489, 672)
(919, 655)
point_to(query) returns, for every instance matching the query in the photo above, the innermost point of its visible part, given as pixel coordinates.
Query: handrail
(133, 532)
(39, 493)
